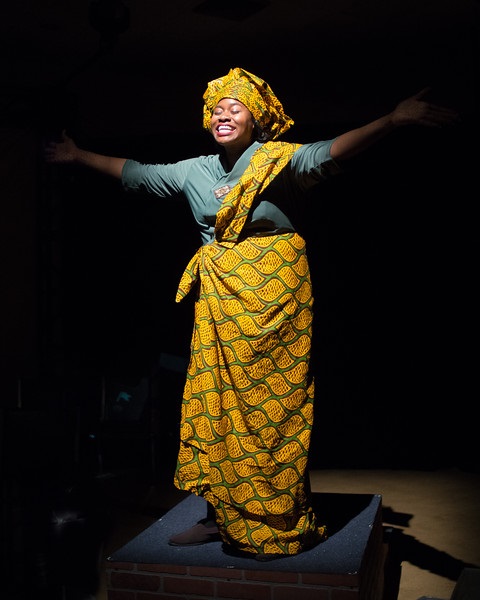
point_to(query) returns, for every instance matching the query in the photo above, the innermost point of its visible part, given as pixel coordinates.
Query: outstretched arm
(66, 151)
(412, 111)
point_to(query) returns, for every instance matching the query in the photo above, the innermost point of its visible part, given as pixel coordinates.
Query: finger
(422, 93)
(444, 113)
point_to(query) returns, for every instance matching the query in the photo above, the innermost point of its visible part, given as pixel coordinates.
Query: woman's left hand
(417, 111)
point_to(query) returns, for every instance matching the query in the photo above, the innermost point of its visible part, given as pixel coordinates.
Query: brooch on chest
(222, 191)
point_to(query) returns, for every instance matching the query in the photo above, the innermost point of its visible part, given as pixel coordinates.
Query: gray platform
(350, 519)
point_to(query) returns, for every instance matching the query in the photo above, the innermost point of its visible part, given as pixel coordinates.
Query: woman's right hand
(64, 151)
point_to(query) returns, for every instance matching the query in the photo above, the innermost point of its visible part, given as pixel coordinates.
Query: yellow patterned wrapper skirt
(247, 410)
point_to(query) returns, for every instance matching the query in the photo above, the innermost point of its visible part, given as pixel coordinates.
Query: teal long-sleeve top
(203, 182)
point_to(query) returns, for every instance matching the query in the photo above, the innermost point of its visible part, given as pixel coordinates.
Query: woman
(247, 410)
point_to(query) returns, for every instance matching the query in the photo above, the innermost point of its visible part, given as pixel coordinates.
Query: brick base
(349, 565)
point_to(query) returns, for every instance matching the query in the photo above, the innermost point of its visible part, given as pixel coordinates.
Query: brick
(243, 591)
(185, 585)
(275, 576)
(135, 581)
(287, 592)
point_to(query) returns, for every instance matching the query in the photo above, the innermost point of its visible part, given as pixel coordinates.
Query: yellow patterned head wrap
(252, 91)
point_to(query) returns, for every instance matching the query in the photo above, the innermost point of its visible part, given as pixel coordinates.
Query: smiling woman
(248, 402)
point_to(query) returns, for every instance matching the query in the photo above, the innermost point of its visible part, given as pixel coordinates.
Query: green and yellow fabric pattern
(247, 411)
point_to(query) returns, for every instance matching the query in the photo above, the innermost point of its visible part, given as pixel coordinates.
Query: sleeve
(163, 180)
(312, 162)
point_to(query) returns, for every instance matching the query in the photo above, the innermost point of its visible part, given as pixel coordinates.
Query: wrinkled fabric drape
(247, 410)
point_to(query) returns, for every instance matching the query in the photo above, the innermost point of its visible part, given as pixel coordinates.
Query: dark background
(90, 273)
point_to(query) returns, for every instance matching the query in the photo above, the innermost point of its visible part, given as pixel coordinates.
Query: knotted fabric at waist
(189, 277)
(192, 270)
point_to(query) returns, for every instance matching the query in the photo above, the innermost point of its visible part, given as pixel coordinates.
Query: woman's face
(232, 123)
